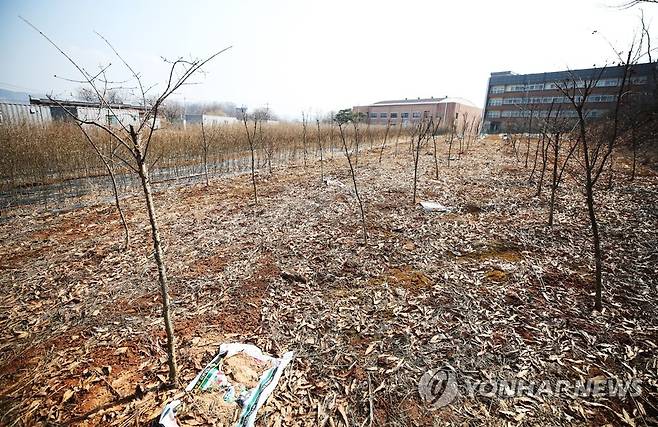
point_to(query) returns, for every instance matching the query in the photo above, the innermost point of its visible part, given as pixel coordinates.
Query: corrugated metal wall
(24, 113)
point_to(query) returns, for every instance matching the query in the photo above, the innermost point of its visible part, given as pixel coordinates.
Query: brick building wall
(447, 110)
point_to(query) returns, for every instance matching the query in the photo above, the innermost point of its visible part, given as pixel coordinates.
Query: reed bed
(59, 157)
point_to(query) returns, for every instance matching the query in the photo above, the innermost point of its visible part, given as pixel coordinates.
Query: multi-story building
(515, 100)
(406, 111)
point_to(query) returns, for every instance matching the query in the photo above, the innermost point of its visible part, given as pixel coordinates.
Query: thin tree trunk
(205, 152)
(159, 260)
(356, 188)
(527, 150)
(544, 162)
(253, 174)
(397, 139)
(251, 140)
(436, 159)
(356, 146)
(321, 153)
(450, 148)
(416, 158)
(381, 152)
(461, 142)
(554, 183)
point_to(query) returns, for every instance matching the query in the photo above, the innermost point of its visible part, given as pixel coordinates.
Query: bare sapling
(451, 139)
(425, 127)
(529, 133)
(135, 138)
(343, 117)
(205, 146)
(474, 130)
(559, 165)
(597, 141)
(469, 135)
(317, 122)
(304, 124)
(388, 128)
(251, 140)
(265, 141)
(332, 129)
(462, 135)
(435, 133)
(356, 119)
(397, 138)
(545, 146)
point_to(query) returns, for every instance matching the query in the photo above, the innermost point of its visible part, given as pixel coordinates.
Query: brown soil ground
(486, 289)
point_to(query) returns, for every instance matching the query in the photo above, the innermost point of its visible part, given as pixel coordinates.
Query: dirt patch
(407, 278)
(494, 250)
(471, 208)
(209, 265)
(496, 275)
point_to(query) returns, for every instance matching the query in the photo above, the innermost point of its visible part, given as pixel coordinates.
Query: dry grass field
(487, 289)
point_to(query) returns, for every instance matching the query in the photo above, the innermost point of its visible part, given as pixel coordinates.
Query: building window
(493, 114)
(515, 88)
(405, 115)
(568, 113)
(535, 86)
(550, 86)
(607, 83)
(497, 89)
(512, 101)
(515, 113)
(373, 115)
(496, 101)
(394, 115)
(382, 115)
(416, 115)
(602, 98)
(556, 100)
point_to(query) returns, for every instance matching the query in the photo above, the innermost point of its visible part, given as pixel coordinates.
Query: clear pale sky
(314, 55)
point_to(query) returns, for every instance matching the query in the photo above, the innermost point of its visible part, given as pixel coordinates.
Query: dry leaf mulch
(487, 289)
